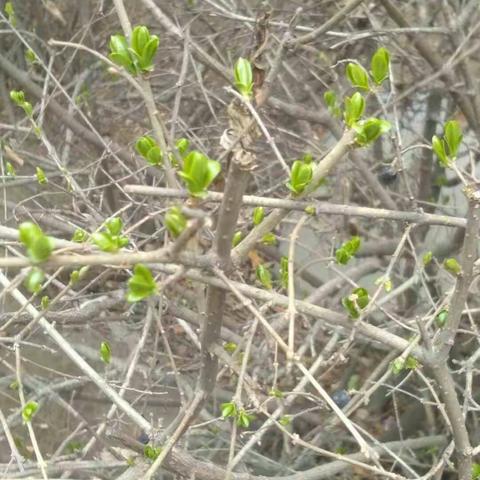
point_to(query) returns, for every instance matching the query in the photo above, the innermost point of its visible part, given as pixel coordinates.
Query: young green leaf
(438, 146)
(10, 12)
(300, 176)
(264, 276)
(441, 318)
(143, 48)
(243, 76)
(151, 452)
(356, 302)
(141, 285)
(354, 108)
(38, 245)
(411, 363)
(237, 238)
(453, 138)
(40, 174)
(347, 250)
(357, 76)
(30, 56)
(476, 471)
(230, 347)
(380, 65)
(369, 130)
(10, 170)
(148, 149)
(45, 302)
(258, 215)
(229, 409)
(105, 352)
(310, 210)
(285, 420)
(198, 173)
(243, 418)
(397, 365)
(120, 54)
(80, 236)
(182, 145)
(33, 282)
(427, 258)
(110, 240)
(452, 266)
(269, 239)
(29, 411)
(18, 98)
(275, 392)
(175, 221)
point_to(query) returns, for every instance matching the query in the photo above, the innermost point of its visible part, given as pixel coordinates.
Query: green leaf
(175, 221)
(154, 156)
(182, 145)
(38, 245)
(397, 365)
(141, 285)
(243, 76)
(30, 56)
(275, 392)
(285, 420)
(10, 170)
(40, 174)
(144, 144)
(151, 452)
(29, 411)
(148, 54)
(357, 76)
(300, 176)
(237, 238)
(199, 172)
(33, 282)
(230, 347)
(441, 318)
(453, 138)
(258, 215)
(438, 146)
(452, 266)
(411, 363)
(269, 239)
(380, 65)
(45, 302)
(79, 236)
(104, 242)
(369, 130)
(355, 302)
(229, 409)
(264, 276)
(284, 272)
(120, 53)
(74, 277)
(17, 97)
(244, 419)
(10, 11)
(330, 98)
(114, 225)
(347, 250)
(105, 352)
(427, 258)
(140, 38)
(354, 108)
(310, 210)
